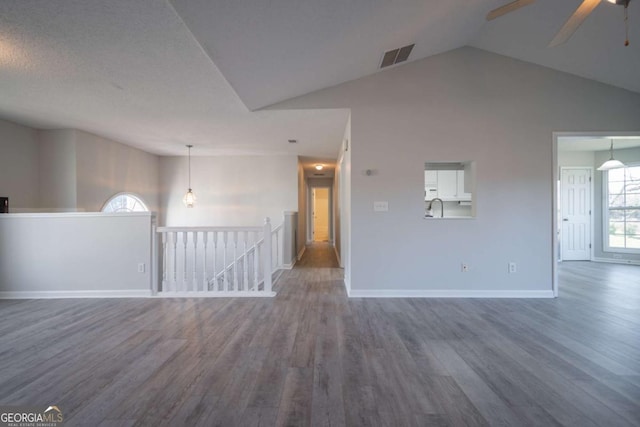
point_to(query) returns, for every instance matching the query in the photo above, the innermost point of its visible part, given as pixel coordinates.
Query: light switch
(380, 206)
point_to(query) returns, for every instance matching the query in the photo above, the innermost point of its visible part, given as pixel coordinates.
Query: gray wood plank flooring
(311, 356)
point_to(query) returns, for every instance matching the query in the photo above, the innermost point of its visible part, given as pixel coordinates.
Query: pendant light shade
(189, 198)
(611, 163)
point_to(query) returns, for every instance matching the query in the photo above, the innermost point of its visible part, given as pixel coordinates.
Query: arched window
(125, 202)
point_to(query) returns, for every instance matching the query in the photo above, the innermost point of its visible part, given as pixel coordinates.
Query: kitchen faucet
(441, 207)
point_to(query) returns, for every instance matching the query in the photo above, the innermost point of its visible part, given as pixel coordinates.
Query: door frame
(591, 208)
(310, 207)
(554, 191)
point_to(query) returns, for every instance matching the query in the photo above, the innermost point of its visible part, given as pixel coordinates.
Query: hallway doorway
(322, 256)
(320, 214)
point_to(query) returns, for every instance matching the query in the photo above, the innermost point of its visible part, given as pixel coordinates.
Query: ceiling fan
(572, 23)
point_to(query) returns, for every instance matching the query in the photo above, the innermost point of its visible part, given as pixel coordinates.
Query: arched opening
(125, 202)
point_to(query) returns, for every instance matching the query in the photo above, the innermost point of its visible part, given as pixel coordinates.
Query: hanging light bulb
(189, 199)
(611, 163)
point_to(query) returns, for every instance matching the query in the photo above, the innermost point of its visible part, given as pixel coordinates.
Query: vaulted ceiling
(158, 74)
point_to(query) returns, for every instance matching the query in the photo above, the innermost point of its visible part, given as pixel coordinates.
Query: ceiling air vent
(318, 174)
(396, 56)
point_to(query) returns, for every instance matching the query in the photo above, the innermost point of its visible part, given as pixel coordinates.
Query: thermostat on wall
(380, 206)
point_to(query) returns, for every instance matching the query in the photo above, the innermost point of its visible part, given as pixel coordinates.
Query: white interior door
(321, 214)
(575, 231)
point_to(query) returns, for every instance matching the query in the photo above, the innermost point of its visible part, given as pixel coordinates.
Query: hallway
(318, 255)
(311, 356)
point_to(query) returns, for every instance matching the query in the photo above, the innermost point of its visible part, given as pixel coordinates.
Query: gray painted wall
(230, 190)
(105, 168)
(336, 213)
(466, 104)
(58, 174)
(69, 170)
(19, 175)
(301, 238)
(345, 204)
(74, 252)
(575, 159)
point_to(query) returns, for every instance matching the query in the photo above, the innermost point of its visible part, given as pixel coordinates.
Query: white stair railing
(195, 260)
(277, 242)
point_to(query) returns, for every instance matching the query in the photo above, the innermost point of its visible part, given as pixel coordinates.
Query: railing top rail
(207, 229)
(277, 228)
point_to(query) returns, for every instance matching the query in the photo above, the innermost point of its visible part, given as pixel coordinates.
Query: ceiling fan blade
(574, 22)
(509, 7)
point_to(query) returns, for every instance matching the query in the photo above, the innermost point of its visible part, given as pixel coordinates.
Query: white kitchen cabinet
(448, 185)
(430, 193)
(430, 184)
(462, 195)
(430, 178)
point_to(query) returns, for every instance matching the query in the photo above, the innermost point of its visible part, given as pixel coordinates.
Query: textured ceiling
(158, 74)
(132, 71)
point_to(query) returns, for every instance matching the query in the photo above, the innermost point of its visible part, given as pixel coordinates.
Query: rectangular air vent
(396, 56)
(389, 58)
(403, 53)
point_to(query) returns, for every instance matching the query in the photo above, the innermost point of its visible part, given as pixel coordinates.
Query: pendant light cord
(189, 147)
(626, 23)
(611, 151)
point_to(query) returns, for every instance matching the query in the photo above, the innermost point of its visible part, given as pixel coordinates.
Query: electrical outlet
(464, 267)
(141, 267)
(513, 267)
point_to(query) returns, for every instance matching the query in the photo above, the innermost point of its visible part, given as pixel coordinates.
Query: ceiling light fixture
(319, 167)
(189, 199)
(624, 3)
(611, 163)
(572, 24)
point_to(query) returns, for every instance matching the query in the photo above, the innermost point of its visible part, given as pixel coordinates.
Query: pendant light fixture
(189, 199)
(611, 163)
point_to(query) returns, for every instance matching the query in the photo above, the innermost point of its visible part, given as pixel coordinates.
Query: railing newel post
(267, 256)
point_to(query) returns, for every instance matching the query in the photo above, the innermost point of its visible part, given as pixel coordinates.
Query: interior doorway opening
(591, 207)
(320, 214)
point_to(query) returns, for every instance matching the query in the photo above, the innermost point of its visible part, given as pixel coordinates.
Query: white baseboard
(219, 294)
(304, 248)
(337, 256)
(617, 261)
(446, 293)
(288, 266)
(125, 293)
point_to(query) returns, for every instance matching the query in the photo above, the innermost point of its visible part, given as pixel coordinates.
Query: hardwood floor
(311, 356)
